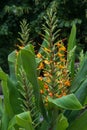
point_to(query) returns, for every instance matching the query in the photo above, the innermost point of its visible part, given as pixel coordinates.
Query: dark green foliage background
(13, 11)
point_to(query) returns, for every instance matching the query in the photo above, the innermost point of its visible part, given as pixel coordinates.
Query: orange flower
(60, 84)
(46, 86)
(47, 74)
(65, 72)
(47, 62)
(62, 48)
(41, 91)
(51, 94)
(58, 44)
(40, 78)
(41, 66)
(48, 80)
(62, 60)
(61, 67)
(64, 94)
(67, 83)
(60, 55)
(39, 55)
(58, 95)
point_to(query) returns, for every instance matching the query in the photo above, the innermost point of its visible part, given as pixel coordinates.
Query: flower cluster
(55, 74)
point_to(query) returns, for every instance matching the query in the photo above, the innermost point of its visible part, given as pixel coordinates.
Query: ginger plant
(53, 64)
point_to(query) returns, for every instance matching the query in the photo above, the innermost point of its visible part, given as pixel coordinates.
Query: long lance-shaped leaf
(7, 109)
(29, 65)
(69, 102)
(1, 107)
(26, 59)
(79, 87)
(80, 77)
(14, 97)
(80, 123)
(44, 126)
(61, 123)
(4, 121)
(81, 94)
(72, 38)
(11, 62)
(4, 77)
(71, 45)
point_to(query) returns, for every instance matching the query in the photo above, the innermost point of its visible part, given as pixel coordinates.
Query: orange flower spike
(67, 83)
(39, 55)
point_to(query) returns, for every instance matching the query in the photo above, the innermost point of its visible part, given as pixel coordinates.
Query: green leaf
(11, 62)
(69, 102)
(22, 120)
(80, 77)
(81, 94)
(85, 102)
(80, 123)
(29, 48)
(4, 77)
(72, 38)
(71, 45)
(14, 97)
(26, 59)
(29, 65)
(44, 125)
(4, 121)
(61, 123)
(1, 107)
